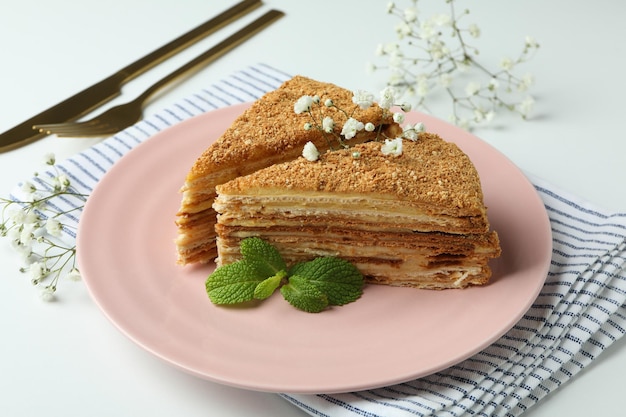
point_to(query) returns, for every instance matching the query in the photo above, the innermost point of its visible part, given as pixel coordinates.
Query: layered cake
(269, 132)
(416, 219)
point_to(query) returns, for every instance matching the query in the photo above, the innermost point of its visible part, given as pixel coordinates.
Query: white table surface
(66, 359)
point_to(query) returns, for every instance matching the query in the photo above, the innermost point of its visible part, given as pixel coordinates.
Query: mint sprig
(309, 286)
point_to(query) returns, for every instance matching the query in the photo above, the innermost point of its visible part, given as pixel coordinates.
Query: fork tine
(87, 128)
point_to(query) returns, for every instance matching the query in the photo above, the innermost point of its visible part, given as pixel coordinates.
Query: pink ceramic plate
(391, 335)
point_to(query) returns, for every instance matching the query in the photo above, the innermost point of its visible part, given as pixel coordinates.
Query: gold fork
(124, 115)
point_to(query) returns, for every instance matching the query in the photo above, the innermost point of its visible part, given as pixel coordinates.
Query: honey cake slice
(267, 133)
(415, 220)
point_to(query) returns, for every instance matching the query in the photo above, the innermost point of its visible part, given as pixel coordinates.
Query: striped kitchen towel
(577, 315)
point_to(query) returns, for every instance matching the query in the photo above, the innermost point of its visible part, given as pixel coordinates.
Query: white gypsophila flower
(406, 107)
(396, 78)
(410, 14)
(391, 48)
(61, 183)
(390, 6)
(308, 126)
(17, 216)
(28, 187)
(328, 103)
(49, 158)
(442, 19)
(47, 294)
(398, 117)
(463, 65)
(472, 88)
(474, 30)
(422, 88)
(351, 128)
(493, 85)
(408, 132)
(412, 132)
(54, 227)
(30, 217)
(526, 81)
(387, 98)
(479, 115)
(427, 30)
(370, 127)
(303, 104)
(73, 275)
(23, 247)
(445, 80)
(403, 29)
(24, 251)
(27, 233)
(310, 152)
(526, 106)
(438, 50)
(363, 99)
(531, 42)
(392, 147)
(38, 270)
(328, 124)
(506, 64)
(396, 61)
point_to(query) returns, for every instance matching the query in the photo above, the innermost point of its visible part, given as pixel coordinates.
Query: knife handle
(164, 52)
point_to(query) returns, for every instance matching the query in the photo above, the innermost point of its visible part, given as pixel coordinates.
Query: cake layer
(357, 211)
(423, 260)
(431, 176)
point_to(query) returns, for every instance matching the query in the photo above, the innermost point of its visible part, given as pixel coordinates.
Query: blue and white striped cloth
(578, 314)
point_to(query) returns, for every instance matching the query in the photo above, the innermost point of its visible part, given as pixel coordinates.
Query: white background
(65, 358)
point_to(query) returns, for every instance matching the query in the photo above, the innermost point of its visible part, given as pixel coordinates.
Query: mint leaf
(263, 256)
(233, 283)
(302, 294)
(337, 278)
(268, 286)
(312, 286)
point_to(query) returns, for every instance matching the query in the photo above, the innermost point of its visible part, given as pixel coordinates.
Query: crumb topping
(429, 171)
(270, 125)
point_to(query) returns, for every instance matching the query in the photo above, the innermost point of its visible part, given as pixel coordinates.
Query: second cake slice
(416, 220)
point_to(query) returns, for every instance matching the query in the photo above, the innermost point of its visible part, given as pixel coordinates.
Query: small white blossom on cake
(310, 152)
(392, 147)
(351, 128)
(303, 104)
(328, 124)
(363, 99)
(387, 98)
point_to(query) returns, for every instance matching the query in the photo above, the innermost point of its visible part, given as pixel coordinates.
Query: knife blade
(105, 90)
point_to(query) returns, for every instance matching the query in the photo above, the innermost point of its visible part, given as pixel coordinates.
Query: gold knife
(85, 101)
